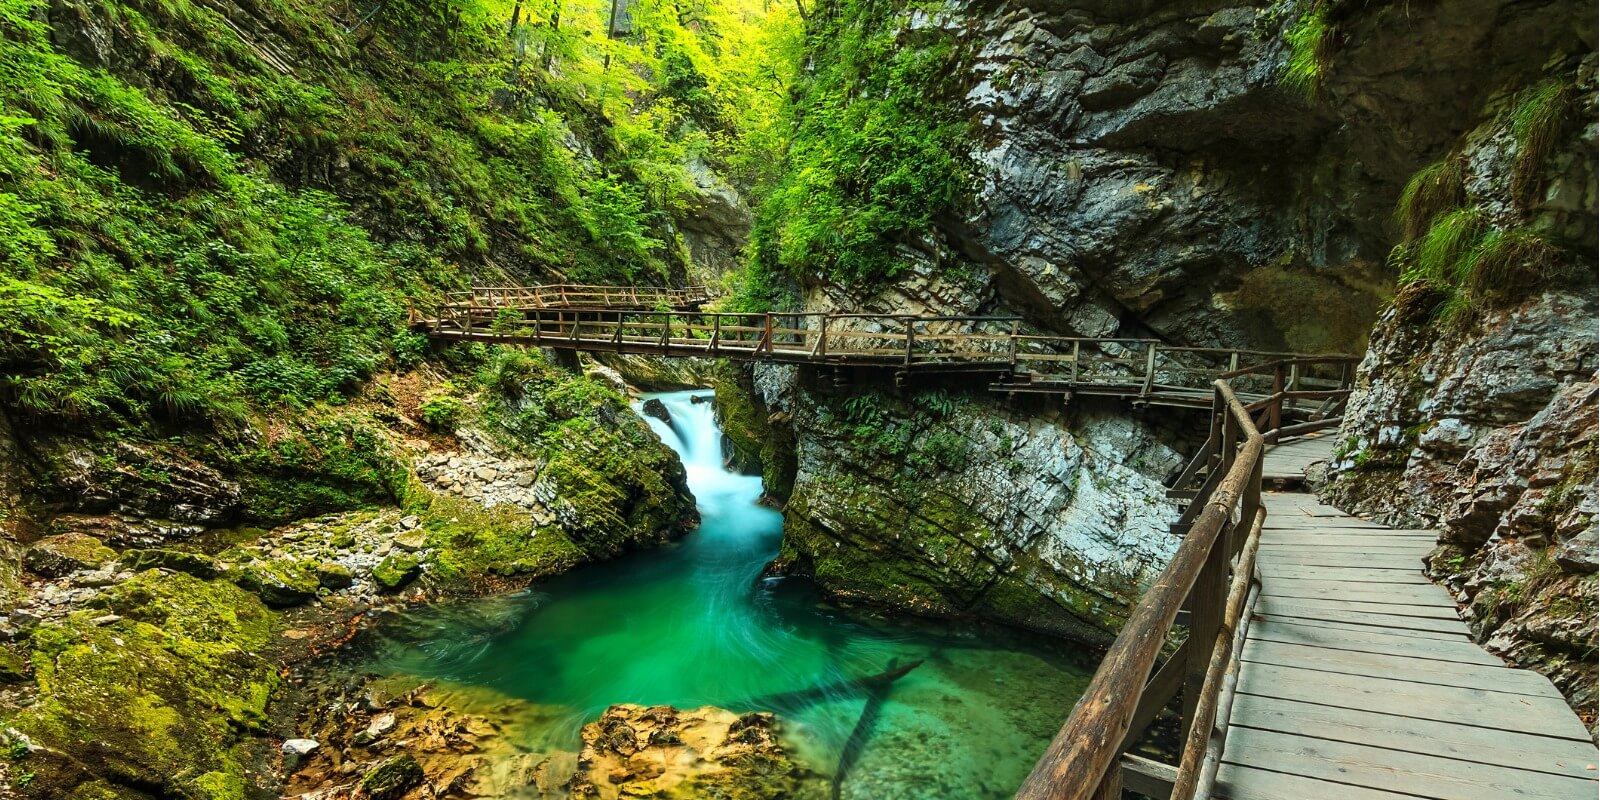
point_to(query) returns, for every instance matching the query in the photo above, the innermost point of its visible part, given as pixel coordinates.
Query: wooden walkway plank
(1350, 574)
(1322, 557)
(1412, 735)
(1236, 782)
(1396, 771)
(1388, 593)
(1419, 670)
(1362, 642)
(1399, 609)
(1281, 607)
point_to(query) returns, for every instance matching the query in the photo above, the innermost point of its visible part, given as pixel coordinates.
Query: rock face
(660, 751)
(1475, 408)
(1141, 162)
(952, 505)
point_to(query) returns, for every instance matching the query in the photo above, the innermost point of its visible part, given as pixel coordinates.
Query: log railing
(577, 295)
(1211, 577)
(1086, 758)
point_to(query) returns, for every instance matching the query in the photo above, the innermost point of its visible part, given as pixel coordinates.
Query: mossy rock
(59, 556)
(171, 697)
(280, 584)
(334, 577)
(396, 571)
(13, 668)
(392, 778)
(195, 564)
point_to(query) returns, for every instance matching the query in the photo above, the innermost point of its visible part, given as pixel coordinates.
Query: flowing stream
(694, 624)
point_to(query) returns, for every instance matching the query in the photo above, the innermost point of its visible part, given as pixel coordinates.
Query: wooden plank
(1293, 522)
(1389, 770)
(1452, 704)
(1411, 735)
(1392, 533)
(1281, 539)
(1411, 593)
(1431, 611)
(1385, 644)
(1350, 574)
(1317, 557)
(1367, 630)
(1282, 607)
(1379, 547)
(1418, 670)
(1237, 782)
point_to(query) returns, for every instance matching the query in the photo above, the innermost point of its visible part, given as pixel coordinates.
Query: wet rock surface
(661, 751)
(953, 505)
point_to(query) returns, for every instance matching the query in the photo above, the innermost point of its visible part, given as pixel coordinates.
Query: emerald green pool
(695, 624)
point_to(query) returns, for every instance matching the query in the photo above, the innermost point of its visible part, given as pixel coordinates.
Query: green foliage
(1311, 45)
(219, 236)
(1537, 122)
(879, 150)
(442, 412)
(1470, 264)
(1435, 189)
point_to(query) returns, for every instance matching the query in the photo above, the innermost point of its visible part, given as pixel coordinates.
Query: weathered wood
(1087, 744)
(1453, 704)
(1389, 770)
(1375, 643)
(1151, 779)
(1412, 735)
(1493, 677)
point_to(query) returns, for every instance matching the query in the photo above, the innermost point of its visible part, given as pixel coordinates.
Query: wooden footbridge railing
(1144, 370)
(1210, 579)
(577, 295)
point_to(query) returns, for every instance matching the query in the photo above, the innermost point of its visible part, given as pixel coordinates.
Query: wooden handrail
(1084, 759)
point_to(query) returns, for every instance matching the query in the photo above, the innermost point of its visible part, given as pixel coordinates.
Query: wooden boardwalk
(1358, 680)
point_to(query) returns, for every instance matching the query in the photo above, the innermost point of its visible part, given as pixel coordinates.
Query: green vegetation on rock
(169, 696)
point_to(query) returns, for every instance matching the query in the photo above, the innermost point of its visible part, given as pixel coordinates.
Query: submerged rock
(392, 778)
(660, 751)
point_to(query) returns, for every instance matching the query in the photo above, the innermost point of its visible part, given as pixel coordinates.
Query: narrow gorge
(266, 532)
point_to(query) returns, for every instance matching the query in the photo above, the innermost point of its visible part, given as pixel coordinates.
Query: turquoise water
(695, 624)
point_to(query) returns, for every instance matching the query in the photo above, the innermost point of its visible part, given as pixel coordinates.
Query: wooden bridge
(1306, 654)
(994, 349)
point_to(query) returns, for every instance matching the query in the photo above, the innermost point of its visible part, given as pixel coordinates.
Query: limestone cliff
(1475, 411)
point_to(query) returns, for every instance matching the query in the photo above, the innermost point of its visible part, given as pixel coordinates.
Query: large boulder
(59, 556)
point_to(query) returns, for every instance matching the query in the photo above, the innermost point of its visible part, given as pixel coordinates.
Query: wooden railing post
(1077, 356)
(716, 332)
(766, 334)
(1149, 371)
(911, 338)
(1016, 327)
(1275, 408)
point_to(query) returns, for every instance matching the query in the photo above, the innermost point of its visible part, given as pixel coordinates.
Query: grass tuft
(1311, 44)
(1537, 122)
(1435, 189)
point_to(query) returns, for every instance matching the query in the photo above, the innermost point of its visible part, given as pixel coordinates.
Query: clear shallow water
(694, 624)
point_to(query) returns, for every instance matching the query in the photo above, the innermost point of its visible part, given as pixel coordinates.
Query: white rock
(299, 747)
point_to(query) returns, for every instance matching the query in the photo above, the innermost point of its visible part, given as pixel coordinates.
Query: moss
(167, 697)
(13, 668)
(280, 583)
(57, 556)
(194, 564)
(395, 571)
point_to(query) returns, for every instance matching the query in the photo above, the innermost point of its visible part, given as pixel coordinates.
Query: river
(694, 623)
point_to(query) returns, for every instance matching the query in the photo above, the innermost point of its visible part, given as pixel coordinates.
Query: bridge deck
(1359, 681)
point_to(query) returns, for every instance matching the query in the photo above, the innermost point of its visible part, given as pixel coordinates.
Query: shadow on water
(891, 709)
